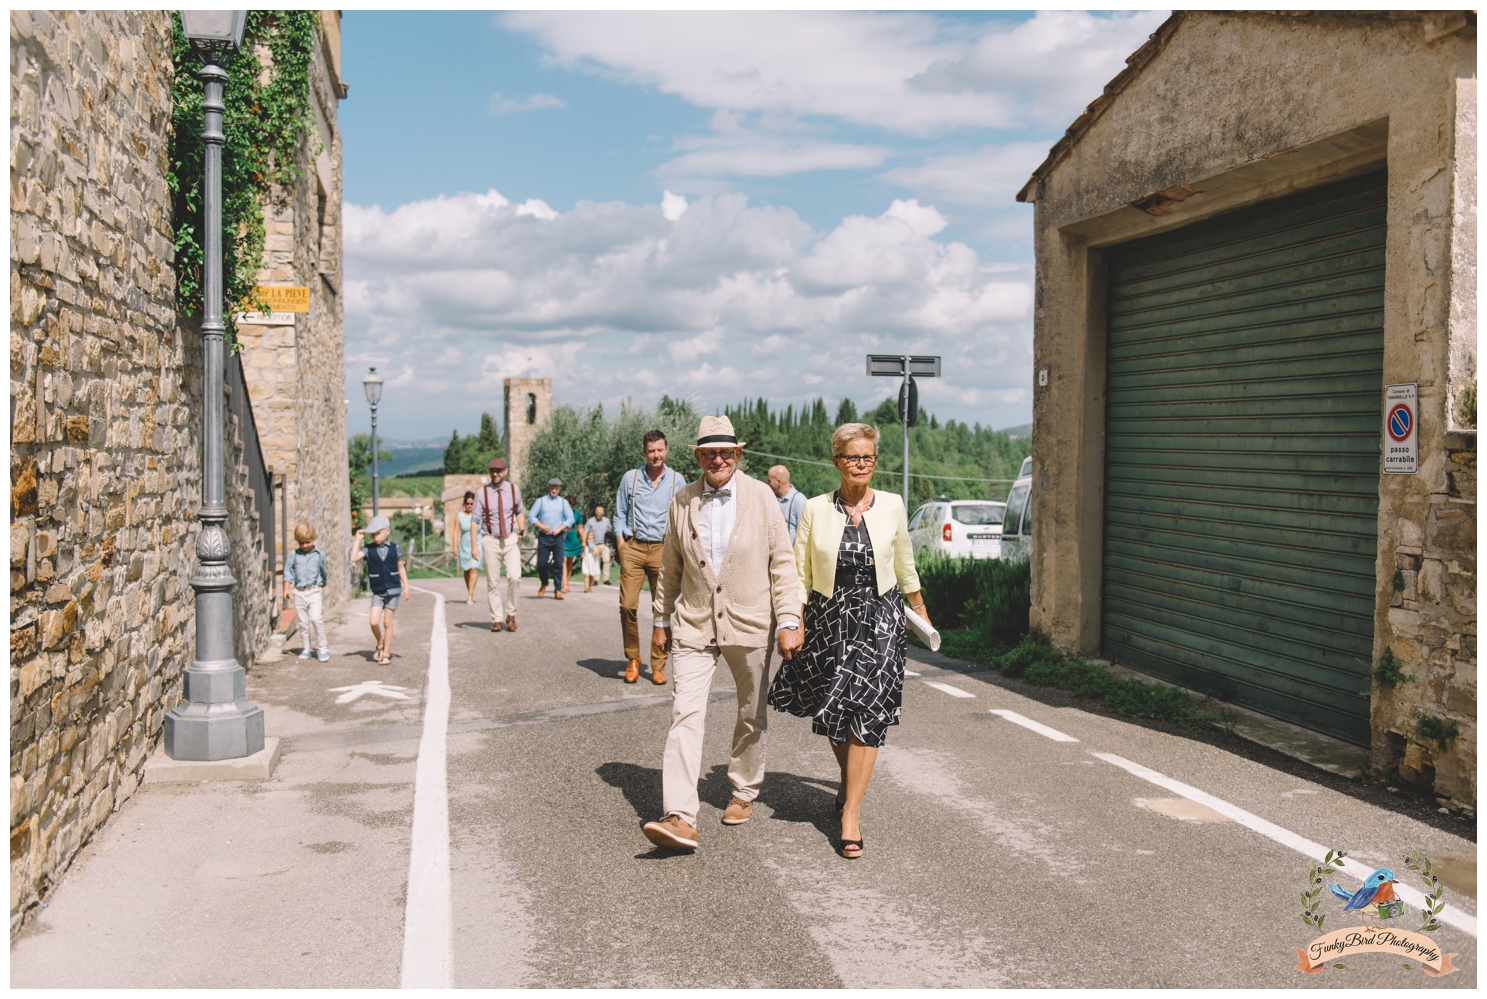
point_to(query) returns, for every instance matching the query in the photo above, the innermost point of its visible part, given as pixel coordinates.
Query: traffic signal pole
(907, 367)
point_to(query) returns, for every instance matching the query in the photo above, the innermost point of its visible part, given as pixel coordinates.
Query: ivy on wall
(267, 96)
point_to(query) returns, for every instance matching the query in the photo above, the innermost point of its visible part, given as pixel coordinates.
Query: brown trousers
(639, 561)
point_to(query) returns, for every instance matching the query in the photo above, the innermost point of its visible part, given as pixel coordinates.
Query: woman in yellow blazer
(856, 570)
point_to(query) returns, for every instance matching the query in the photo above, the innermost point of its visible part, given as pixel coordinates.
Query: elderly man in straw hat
(727, 580)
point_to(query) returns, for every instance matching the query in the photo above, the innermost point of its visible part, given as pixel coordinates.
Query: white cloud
(1047, 68)
(912, 73)
(673, 206)
(986, 177)
(510, 105)
(723, 299)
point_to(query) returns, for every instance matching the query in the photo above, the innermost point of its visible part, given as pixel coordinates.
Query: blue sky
(708, 205)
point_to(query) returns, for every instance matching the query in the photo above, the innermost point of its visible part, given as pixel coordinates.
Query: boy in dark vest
(388, 576)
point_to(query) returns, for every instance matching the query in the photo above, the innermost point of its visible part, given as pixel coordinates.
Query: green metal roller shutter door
(1245, 375)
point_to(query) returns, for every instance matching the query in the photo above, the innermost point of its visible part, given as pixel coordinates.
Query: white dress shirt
(715, 519)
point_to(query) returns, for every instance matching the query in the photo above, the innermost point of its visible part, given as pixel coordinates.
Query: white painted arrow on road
(357, 691)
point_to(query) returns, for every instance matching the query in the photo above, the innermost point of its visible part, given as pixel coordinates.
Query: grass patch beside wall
(981, 607)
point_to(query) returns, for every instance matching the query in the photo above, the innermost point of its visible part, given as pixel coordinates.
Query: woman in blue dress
(469, 563)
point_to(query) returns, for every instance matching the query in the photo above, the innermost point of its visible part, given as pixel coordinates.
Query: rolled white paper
(923, 630)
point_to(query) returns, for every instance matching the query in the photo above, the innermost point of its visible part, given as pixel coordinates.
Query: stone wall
(1236, 106)
(294, 370)
(105, 430)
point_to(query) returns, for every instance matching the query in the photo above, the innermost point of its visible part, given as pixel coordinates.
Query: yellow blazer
(818, 538)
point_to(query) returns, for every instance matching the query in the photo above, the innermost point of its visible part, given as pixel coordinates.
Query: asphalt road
(995, 854)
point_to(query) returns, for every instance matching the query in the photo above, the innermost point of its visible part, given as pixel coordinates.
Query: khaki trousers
(307, 610)
(691, 677)
(639, 561)
(497, 552)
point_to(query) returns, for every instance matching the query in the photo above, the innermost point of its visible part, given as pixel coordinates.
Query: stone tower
(528, 407)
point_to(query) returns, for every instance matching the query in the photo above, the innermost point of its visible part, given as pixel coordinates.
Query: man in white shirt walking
(727, 580)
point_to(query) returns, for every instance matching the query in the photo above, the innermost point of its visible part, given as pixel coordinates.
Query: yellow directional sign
(282, 298)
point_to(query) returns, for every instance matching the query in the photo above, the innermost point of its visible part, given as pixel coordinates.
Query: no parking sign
(1401, 429)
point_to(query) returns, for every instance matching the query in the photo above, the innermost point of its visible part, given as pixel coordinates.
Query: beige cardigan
(738, 602)
(818, 538)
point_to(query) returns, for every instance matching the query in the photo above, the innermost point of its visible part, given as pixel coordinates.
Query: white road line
(909, 672)
(1039, 727)
(1450, 915)
(428, 921)
(952, 691)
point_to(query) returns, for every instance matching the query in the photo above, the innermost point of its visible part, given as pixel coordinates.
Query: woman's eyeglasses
(860, 460)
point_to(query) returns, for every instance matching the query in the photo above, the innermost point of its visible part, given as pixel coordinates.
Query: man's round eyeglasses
(710, 455)
(858, 459)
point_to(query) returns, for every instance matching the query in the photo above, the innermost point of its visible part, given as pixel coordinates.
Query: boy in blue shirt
(388, 574)
(304, 575)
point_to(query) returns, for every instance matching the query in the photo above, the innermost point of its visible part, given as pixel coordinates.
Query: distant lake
(408, 458)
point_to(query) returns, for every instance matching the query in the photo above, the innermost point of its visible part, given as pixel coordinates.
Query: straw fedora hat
(716, 431)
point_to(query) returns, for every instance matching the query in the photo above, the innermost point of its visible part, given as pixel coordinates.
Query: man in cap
(640, 508)
(499, 521)
(553, 516)
(727, 581)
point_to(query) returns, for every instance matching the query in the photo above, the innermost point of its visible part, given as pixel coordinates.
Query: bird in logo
(1377, 887)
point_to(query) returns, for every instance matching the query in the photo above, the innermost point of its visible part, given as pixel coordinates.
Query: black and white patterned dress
(848, 677)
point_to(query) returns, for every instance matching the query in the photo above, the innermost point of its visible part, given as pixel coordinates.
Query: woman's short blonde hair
(849, 432)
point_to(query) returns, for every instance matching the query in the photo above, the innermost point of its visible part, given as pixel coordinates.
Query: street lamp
(215, 720)
(908, 368)
(372, 383)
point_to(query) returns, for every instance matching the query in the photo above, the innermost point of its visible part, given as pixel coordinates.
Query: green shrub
(989, 596)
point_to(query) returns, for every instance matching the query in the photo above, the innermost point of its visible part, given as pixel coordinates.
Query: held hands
(789, 641)
(661, 639)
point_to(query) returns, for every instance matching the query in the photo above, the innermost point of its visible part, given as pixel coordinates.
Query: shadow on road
(641, 787)
(609, 669)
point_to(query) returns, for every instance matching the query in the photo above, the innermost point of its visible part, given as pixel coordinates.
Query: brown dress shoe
(658, 675)
(495, 626)
(542, 591)
(737, 812)
(511, 622)
(632, 671)
(673, 832)
(557, 595)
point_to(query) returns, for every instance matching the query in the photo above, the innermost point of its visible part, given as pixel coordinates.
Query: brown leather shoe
(673, 832)
(632, 671)
(495, 626)
(511, 622)
(557, 595)
(542, 590)
(658, 675)
(737, 812)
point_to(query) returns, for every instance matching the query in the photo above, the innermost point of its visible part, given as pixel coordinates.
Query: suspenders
(634, 488)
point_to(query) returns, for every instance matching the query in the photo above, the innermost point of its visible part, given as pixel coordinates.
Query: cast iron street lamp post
(215, 720)
(372, 383)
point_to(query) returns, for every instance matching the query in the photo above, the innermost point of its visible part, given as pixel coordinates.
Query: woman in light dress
(469, 562)
(856, 568)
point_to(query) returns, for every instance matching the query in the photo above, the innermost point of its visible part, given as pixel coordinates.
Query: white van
(959, 527)
(1017, 525)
